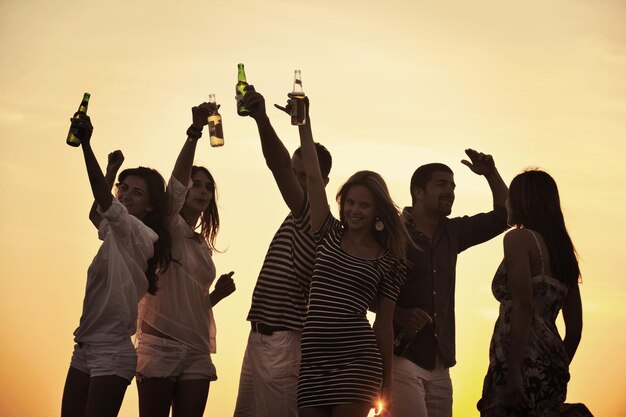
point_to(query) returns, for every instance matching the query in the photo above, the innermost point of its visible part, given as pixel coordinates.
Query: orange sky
(392, 84)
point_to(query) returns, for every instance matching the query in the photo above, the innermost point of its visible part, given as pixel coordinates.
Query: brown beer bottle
(403, 340)
(216, 131)
(298, 108)
(240, 90)
(74, 134)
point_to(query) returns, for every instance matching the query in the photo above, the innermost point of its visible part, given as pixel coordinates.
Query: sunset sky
(392, 85)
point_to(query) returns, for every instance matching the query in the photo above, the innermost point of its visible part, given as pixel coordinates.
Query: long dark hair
(155, 220)
(535, 204)
(394, 236)
(210, 217)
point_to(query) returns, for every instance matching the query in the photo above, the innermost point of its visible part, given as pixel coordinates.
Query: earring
(379, 225)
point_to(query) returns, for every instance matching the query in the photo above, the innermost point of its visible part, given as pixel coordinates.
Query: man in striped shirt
(269, 373)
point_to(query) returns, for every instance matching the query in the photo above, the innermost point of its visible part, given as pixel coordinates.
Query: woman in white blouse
(135, 243)
(177, 329)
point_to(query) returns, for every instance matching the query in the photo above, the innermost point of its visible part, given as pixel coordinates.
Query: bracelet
(194, 133)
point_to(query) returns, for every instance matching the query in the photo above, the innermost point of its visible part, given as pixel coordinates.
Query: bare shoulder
(518, 240)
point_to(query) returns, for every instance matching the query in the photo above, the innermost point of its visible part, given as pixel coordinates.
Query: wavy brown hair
(394, 236)
(210, 217)
(155, 220)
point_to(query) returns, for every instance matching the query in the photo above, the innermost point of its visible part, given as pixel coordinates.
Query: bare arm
(115, 160)
(383, 330)
(318, 202)
(517, 244)
(99, 187)
(275, 153)
(482, 164)
(573, 317)
(182, 167)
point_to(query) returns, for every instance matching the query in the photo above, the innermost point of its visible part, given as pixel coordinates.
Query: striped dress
(341, 362)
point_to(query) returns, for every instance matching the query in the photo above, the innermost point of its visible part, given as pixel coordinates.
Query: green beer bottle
(240, 91)
(74, 135)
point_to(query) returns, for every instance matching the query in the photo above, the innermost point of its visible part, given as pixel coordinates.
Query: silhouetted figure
(346, 364)
(528, 361)
(135, 243)
(422, 384)
(177, 329)
(269, 373)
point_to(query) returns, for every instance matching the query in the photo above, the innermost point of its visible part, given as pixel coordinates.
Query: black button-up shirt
(431, 279)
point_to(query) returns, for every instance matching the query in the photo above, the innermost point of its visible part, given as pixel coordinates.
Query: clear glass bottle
(298, 107)
(216, 130)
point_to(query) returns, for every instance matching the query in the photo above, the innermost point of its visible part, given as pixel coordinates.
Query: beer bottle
(240, 91)
(298, 110)
(404, 339)
(215, 125)
(74, 136)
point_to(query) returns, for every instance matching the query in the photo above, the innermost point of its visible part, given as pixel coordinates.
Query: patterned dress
(341, 362)
(545, 367)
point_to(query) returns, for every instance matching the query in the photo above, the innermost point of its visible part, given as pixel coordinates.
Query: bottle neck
(297, 84)
(241, 75)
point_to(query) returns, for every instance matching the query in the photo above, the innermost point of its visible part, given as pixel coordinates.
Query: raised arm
(318, 202)
(182, 167)
(276, 155)
(573, 317)
(115, 160)
(99, 187)
(482, 164)
(517, 249)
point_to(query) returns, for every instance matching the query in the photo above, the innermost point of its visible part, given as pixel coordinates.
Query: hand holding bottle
(82, 128)
(412, 318)
(200, 114)
(290, 103)
(255, 103)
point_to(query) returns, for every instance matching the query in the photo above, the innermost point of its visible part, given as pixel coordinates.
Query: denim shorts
(158, 357)
(119, 359)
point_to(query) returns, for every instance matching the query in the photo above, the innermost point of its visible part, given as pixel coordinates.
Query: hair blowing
(155, 220)
(535, 204)
(394, 236)
(210, 217)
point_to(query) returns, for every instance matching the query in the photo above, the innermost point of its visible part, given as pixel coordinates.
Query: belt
(267, 330)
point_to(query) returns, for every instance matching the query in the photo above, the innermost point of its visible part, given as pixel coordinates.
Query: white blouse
(181, 309)
(116, 278)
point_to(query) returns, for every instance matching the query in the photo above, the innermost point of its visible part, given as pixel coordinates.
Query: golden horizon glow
(392, 85)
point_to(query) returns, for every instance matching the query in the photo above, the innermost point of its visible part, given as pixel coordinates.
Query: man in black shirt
(422, 385)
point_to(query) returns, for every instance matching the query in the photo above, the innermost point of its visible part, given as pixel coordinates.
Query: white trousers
(418, 392)
(269, 376)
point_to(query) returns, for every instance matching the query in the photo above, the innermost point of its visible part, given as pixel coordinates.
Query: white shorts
(158, 357)
(269, 376)
(105, 360)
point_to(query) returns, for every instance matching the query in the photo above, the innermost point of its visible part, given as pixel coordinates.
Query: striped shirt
(281, 292)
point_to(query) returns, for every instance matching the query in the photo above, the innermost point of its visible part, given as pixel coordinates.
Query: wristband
(194, 133)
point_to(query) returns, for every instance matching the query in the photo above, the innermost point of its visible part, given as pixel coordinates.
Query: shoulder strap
(538, 248)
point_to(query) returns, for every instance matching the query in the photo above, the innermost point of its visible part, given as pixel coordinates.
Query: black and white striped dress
(341, 362)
